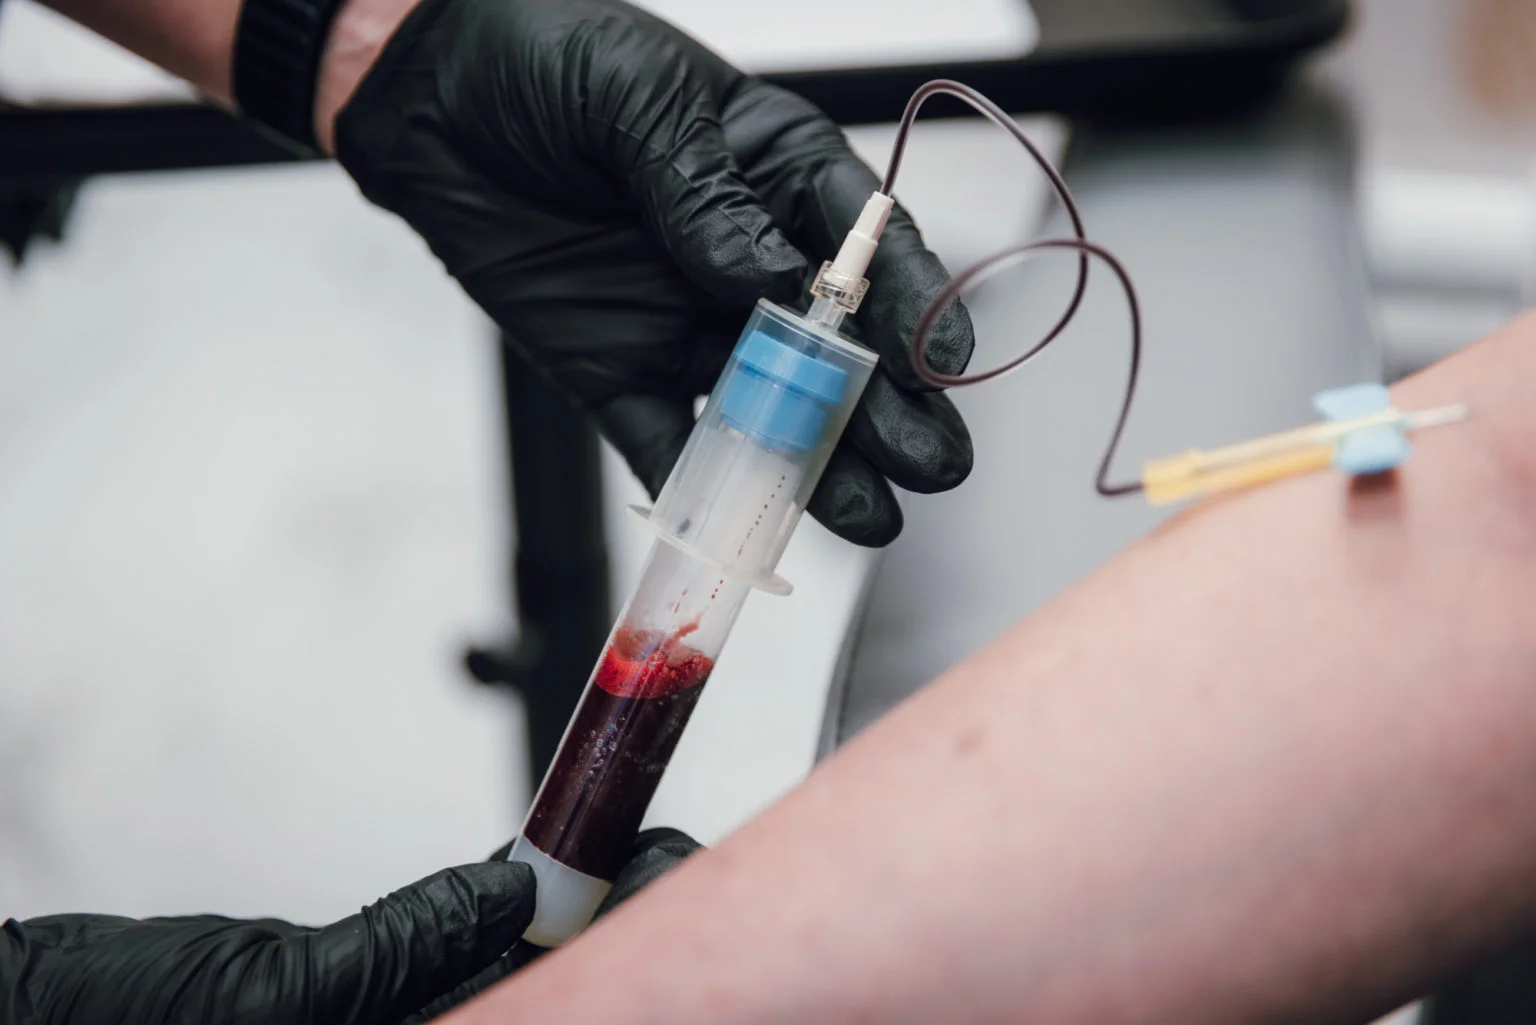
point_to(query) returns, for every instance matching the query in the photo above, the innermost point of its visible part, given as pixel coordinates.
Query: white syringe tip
(858, 248)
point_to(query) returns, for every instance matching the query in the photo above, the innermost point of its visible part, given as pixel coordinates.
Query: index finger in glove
(656, 851)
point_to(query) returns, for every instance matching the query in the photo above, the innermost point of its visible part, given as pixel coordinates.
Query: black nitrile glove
(616, 196)
(407, 957)
(655, 851)
(373, 968)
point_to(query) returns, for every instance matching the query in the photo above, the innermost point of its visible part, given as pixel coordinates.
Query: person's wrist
(361, 30)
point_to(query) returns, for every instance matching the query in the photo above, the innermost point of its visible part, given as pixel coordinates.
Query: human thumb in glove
(373, 968)
(408, 958)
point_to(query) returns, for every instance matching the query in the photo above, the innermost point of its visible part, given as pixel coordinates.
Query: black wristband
(278, 48)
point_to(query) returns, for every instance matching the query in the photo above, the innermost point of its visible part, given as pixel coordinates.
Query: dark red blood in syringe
(622, 736)
(650, 664)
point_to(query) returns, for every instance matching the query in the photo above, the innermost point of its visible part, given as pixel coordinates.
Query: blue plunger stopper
(779, 394)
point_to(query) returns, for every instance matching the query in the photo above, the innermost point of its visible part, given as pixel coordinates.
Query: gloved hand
(655, 851)
(616, 196)
(413, 948)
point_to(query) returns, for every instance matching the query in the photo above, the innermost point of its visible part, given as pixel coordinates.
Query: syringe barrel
(761, 444)
(588, 810)
(722, 521)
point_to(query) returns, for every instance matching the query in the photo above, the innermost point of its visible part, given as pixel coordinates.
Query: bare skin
(196, 39)
(1273, 764)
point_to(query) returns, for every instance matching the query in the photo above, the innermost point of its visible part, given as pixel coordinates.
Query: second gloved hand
(655, 851)
(617, 197)
(409, 957)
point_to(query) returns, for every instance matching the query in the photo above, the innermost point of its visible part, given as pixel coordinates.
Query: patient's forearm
(191, 38)
(196, 40)
(1274, 764)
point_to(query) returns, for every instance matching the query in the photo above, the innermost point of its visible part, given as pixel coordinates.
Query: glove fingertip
(655, 852)
(952, 341)
(856, 503)
(674, 842)
(735, 263)
(918, 441)
(905, 279)
(521, 875)
(504, 890)
(477, 910)
(784, 267)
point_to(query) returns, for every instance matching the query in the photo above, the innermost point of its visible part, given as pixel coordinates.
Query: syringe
(722, 521)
